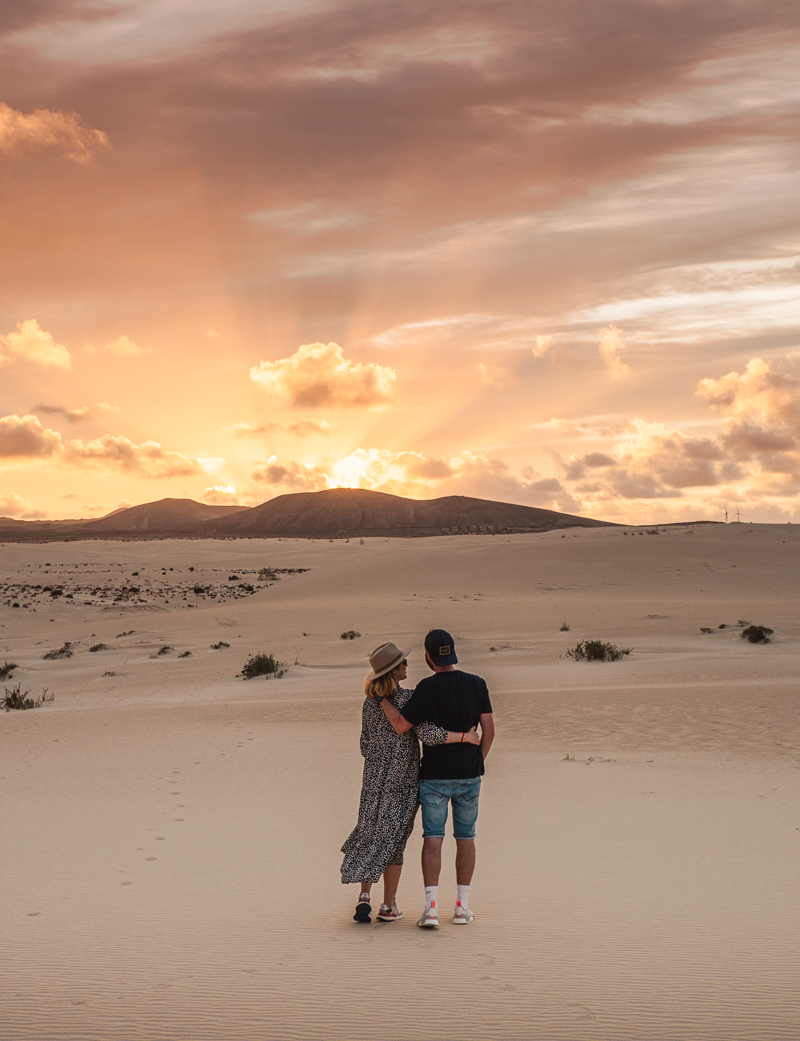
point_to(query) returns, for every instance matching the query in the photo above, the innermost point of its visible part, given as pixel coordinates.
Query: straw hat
(385, 658)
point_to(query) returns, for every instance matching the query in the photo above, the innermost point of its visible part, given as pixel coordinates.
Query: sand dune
(171, 832)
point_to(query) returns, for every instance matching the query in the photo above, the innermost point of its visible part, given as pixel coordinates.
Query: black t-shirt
(453, 700)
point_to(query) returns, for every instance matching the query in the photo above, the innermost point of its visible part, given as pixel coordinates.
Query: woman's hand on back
(472, 737)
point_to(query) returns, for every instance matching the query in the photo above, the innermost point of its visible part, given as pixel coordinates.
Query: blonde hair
(384, 686)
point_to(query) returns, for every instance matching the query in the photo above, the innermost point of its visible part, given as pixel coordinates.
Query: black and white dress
(389, 791)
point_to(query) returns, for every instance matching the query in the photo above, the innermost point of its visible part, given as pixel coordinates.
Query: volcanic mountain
(349, 512)
(166, 515)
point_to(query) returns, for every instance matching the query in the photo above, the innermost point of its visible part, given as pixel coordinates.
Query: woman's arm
(400, 723)
(431, 734)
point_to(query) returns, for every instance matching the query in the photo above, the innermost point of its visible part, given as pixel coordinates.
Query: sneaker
(389, 914)
(363, 909)
(462, 914)
(430, 919)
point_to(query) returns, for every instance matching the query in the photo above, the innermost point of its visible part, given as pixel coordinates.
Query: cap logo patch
(444, 650)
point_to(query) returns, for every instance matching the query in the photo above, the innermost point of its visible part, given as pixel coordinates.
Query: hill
(165, 515)
(350, 512)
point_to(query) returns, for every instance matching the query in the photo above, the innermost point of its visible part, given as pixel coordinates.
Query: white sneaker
(462, 914)
(430, 919)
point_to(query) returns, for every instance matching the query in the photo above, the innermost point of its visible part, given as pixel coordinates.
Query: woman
(389, 788)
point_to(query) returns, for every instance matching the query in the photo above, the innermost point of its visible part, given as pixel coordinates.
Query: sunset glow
(544, 253)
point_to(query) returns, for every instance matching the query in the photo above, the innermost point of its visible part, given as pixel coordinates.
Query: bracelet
(462, 738)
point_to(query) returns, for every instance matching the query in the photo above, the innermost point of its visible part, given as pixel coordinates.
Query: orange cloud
(221, 495)
(34, 344)
(494, 376)
(13, 505)
(611, 347)
(20, 131)
(25, 437)
(318, 374)
(147, 459)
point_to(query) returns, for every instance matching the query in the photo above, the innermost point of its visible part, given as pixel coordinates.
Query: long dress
(389, 791)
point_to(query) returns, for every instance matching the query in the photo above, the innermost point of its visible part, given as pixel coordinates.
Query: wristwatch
(378, 698)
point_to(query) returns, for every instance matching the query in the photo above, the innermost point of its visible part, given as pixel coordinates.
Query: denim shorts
(434, 797)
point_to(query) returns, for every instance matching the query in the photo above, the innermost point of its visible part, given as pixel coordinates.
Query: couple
(443, 713)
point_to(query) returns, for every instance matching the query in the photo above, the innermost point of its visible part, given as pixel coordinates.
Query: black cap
(440, 647)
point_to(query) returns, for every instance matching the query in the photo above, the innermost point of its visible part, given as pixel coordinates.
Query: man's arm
(487, 732)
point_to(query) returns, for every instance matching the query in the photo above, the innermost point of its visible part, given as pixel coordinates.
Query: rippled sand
(171, 832)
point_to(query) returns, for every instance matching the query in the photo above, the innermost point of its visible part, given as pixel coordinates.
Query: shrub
(185, 654)
(15, 699)
(349, 634)
(262, 665)
(564, 627)
(128, 632)
(6, 670)
(268, 574)
(166, 649)
(99, 647)
(757, 634)
(596, 650)
(62, 652)
(705, 629)
(219, 646)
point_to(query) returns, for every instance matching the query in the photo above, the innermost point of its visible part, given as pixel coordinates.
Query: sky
(536, 251)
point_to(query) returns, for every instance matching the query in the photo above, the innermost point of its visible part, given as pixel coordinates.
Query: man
(449, 774)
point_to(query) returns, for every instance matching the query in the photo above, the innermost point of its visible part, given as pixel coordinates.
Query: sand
(170, 832)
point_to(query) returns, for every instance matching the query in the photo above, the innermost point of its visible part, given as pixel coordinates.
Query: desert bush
(62, 652)
(262, 665)
(15, 699)
(99, 647)
(7, 669)
(219, 646)
(705, 629)
(198, 590)
(128, 632)
(349, 634)
(596, 650)
(757, 634)
(166, 649)
(185, 654)
(564, 627)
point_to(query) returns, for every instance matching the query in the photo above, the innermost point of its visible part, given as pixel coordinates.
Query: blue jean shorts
(434, 797)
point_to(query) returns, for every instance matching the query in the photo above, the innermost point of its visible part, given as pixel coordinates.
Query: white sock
(430, 897)
(463, 894)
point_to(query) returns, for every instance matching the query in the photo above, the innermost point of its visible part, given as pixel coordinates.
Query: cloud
(543, 345)
(148, 459)
(34, 344)
(13, 505)
(24, 437)
(122, 345)
(494, 376)
(72, 415)
(20, 131)
(307, 427)
(221, 495)
(319, 375)
(611, 347)
(300, 428)
(244, 429)
(291, 475)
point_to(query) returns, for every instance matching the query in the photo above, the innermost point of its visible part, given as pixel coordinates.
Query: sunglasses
(404, 661)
